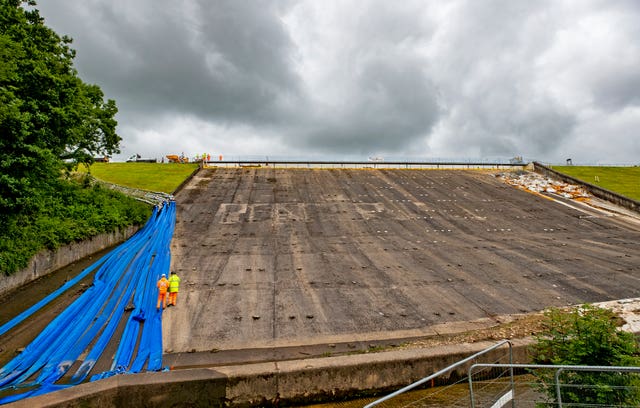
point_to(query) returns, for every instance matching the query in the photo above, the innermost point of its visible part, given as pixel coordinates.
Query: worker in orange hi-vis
(174, 285)
(163, 286)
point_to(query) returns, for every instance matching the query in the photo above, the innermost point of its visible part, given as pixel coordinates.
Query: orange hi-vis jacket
(163, 285)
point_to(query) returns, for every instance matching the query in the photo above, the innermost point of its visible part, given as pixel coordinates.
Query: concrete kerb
(294, 381)
(260, 384)
(205, 387)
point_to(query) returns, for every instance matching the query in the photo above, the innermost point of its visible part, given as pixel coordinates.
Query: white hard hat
(164, 275)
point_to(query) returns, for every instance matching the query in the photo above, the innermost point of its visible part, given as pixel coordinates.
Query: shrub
(589, 336)
(71, 212)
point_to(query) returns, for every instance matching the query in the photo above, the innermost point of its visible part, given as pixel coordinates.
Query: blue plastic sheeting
(124, 279)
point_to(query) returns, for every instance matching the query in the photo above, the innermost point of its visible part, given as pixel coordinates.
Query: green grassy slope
(75, 211)
(164, 177)
(622, 180)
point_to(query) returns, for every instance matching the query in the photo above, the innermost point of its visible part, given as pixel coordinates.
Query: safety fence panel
(501, 383)
(561, 386)
(447, 387)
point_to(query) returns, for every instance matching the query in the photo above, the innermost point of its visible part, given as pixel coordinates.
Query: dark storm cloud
(456, 79)
(221, 61)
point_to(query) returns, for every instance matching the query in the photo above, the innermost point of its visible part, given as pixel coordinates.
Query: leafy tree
(589, 336)
(49, 119)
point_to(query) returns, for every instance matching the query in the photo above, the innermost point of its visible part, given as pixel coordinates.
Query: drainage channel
(486, 393)
(445, 396)
(124, 276)
(16, 301)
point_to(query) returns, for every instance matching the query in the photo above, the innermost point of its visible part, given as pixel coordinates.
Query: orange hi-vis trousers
(162, 299)
(173, 296)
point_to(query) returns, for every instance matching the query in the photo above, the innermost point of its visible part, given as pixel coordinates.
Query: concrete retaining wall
(186, 181)
(47, 261)
(592, 189)
(267, 384)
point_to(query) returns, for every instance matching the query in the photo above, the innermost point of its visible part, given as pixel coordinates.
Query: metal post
(513, 386)
(557, 379)
(559, 368)
(513, 380)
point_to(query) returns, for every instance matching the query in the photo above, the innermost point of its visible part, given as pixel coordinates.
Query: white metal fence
(559, 386)
(494, 381)
(455, 393)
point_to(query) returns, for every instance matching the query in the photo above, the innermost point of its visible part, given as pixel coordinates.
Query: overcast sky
(350, 79)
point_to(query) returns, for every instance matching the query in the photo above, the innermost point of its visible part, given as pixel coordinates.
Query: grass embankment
(622, 180)
(164, 177)
(73, 211)
(69, 212)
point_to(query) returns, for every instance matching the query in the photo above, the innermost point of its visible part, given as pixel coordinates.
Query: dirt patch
(520, 327)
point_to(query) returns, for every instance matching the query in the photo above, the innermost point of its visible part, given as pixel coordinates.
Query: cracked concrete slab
(278, 257)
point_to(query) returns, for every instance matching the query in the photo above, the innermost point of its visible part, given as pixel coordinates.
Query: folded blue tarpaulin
(124, 277)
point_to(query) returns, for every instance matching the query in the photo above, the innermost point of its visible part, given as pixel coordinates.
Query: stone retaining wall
(47, 261)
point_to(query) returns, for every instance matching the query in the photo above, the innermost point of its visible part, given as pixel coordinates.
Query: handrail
(559, 369)
(372, 164)
(443, 371)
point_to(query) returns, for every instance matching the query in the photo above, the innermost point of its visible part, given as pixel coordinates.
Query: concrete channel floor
(292, 259)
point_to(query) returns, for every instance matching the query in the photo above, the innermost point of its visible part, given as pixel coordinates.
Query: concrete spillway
(272, 257)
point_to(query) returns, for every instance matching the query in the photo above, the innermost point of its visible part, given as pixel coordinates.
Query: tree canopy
(50, 120)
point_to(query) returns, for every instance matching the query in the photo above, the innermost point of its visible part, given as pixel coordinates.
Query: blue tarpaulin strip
(126, 276)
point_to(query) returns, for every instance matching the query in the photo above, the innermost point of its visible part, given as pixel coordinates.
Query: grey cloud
(541, 131)
(533, 131)
(463, 77)
(391, 105)
(387, 24)
(619, 89)
(383, 99)
(228, 61)
(485, 73)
